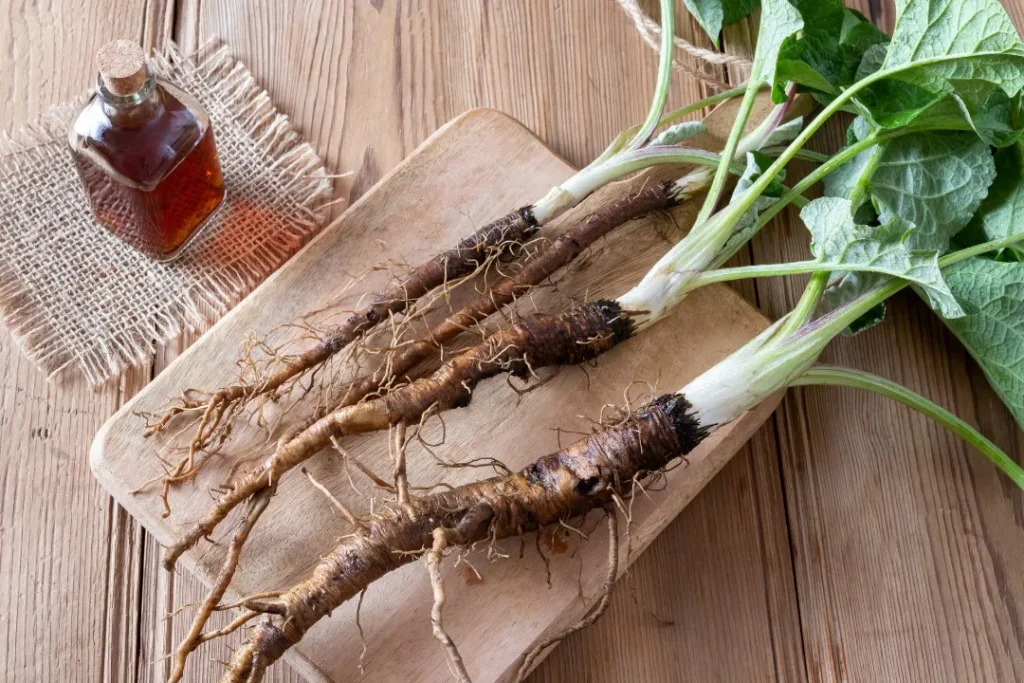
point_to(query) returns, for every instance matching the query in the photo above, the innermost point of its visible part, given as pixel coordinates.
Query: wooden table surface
(852, 540)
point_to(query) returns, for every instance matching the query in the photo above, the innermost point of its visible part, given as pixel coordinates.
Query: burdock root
(565, 484)
(537, 341)
(561, 252)
(401, 293)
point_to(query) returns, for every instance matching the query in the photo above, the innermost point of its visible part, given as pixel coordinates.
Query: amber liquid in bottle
(149, 165)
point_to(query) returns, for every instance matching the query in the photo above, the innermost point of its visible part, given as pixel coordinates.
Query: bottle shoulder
(140, 145)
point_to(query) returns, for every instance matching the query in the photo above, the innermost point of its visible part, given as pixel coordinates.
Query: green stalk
(824, 374)
(808, 304)
(860, 190)
(844, 155)
(668, 34)
(619, 143)
(757, 81)
(811, 296)
(767, 270)
(776, 359)
(623, 163)
(979, 249)
(758, 188)
(817, 267)
(706, 102)
(795, 195)
(711, 200)
(802, 155)
(639, 134)
(809, 300)
(839, 319)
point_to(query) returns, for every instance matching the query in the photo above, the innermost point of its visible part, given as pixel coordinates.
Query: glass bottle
(146, 155)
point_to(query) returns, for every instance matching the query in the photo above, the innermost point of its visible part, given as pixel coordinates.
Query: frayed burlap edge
(297, 165)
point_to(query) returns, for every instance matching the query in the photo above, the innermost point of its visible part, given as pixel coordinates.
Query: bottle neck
(131, 111)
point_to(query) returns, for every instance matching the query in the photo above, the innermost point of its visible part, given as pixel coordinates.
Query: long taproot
(564, 484)
(537, 341)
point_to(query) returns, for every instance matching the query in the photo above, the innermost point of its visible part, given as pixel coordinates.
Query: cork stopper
(122, 66)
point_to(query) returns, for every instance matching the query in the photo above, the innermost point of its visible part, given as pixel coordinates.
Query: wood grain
(55, 554)
(906, 542)
(367, 81)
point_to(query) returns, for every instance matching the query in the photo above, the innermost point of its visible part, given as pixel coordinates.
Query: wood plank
(55, 523)
(905, 540)
(125, 634)
(573, 59)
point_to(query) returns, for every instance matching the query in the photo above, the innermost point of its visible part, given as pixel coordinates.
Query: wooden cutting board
(472, 170)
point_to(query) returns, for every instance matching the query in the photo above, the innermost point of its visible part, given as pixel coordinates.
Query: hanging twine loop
(650, 31)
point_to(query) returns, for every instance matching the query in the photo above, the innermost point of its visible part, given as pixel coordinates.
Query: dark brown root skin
(450, 264)
(562, 251)
(562, 485)
(538, 341)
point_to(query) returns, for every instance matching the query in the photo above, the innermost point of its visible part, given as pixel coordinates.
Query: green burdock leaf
(955, 40)
(827, 54)
(990, 112)
(779, 20)
(933, 180)
(712, 15)
(673, 135)
(936, 181)
(811, 58)
(941, 48)
(891, 103)
(843, 245)
(993, 331)
(857, 36)
(975, 106)
(1002, 213)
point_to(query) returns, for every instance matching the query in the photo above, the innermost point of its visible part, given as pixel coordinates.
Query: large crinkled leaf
(891, 103)
(936, 181)
(843, 245)
(779, 21)
(930, 179)
(673, 135)
(827, 54)
(811, 57)
(712, 15)
(1002, 212)
(974, 106)
(993, 331)
(946, 40)
(944, 47)
(990, 112)
(857, 36)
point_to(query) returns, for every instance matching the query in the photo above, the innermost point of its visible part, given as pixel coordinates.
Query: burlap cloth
(74, 296)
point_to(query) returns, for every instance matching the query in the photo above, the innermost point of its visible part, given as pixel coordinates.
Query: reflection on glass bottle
(146, 155)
